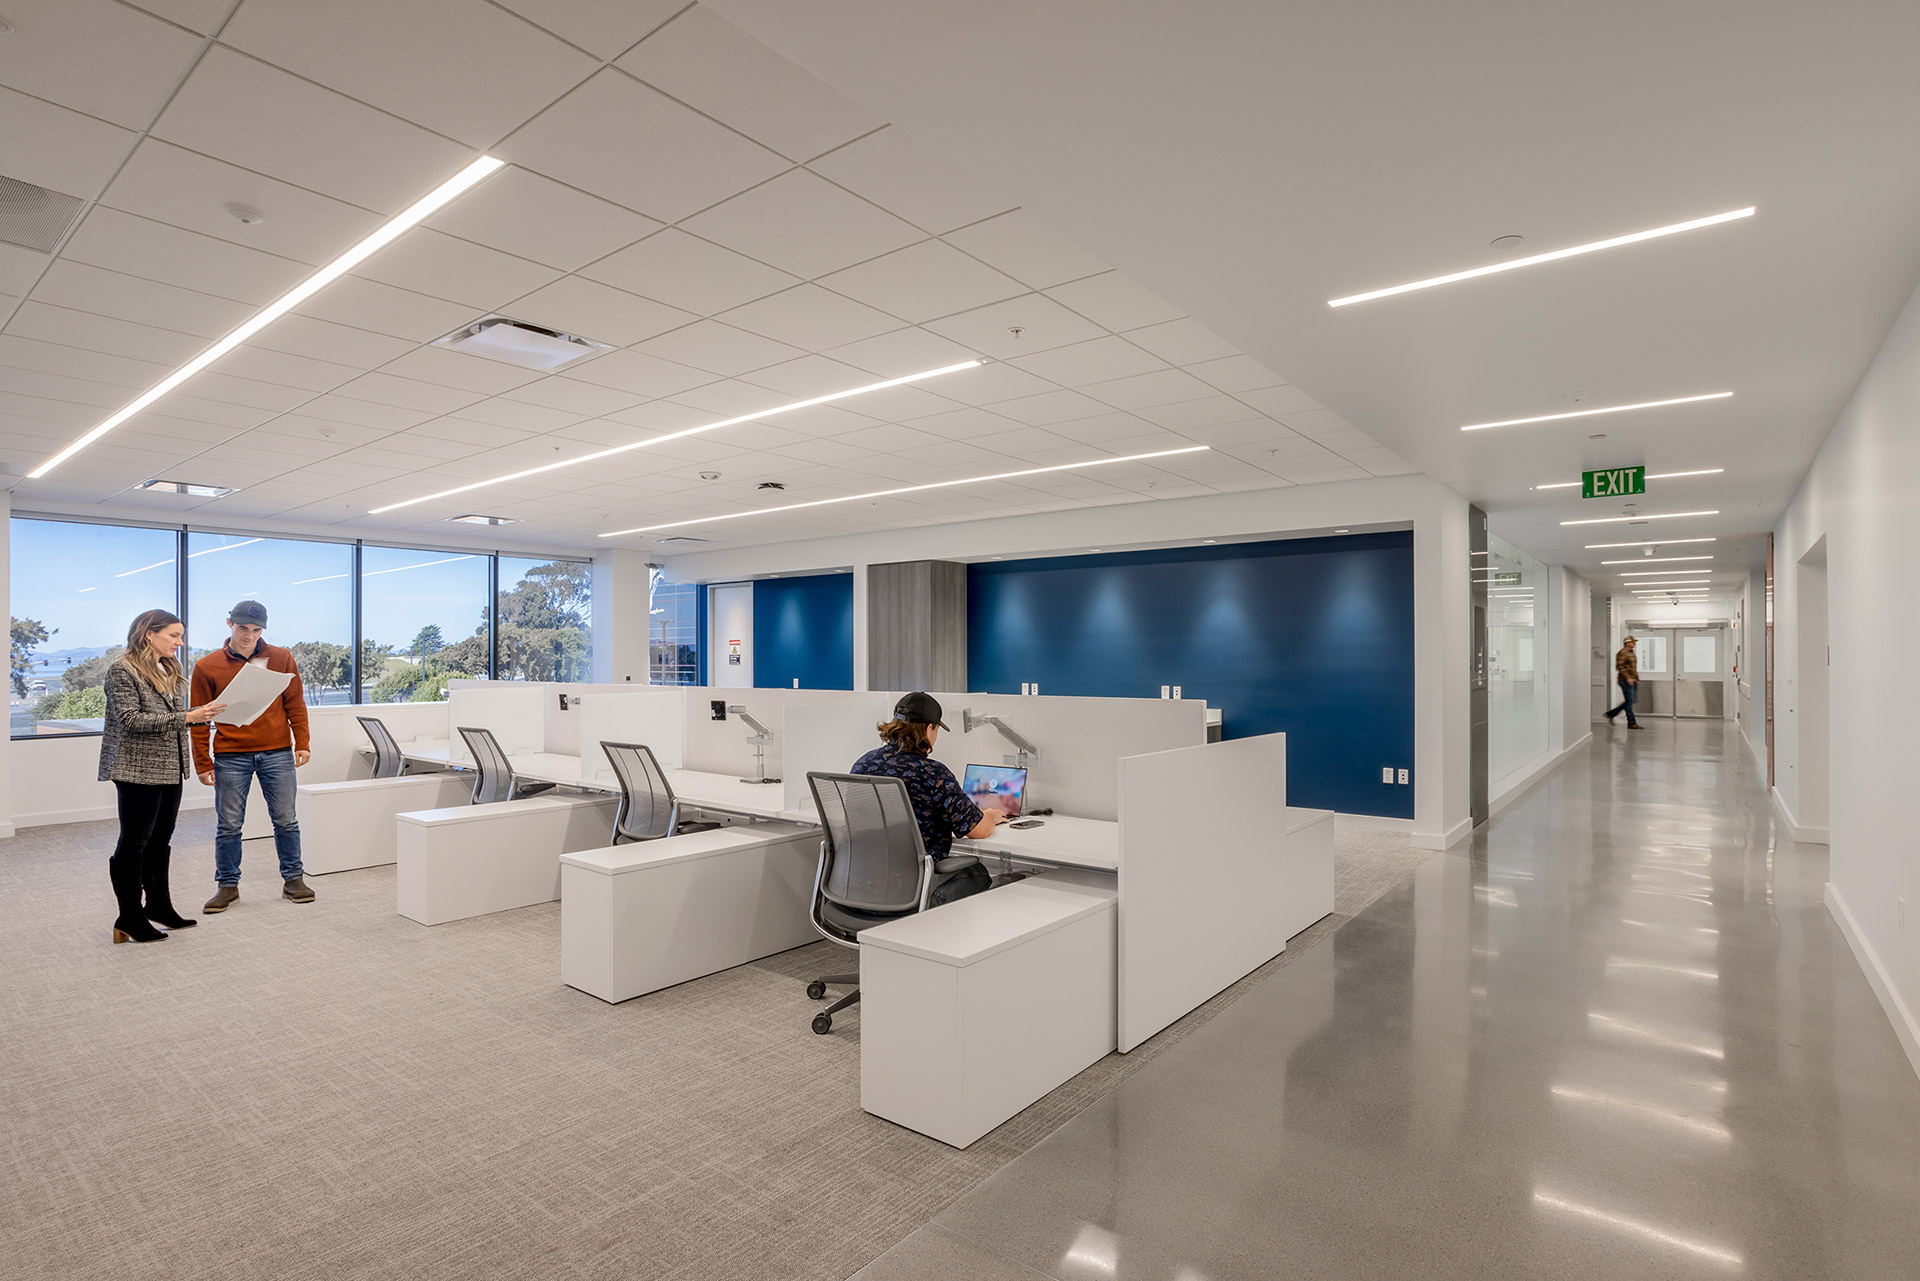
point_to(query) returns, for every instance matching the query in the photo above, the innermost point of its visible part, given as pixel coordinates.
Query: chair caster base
(816, 991)
(822, 1024)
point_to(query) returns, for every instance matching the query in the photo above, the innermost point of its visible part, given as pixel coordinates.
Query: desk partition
(517, 715)
(656, 717)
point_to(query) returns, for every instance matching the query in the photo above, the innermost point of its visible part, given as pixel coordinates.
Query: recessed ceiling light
(1343, 531)
(1561, 484)
(1616, 520)
(285, 303)
(1655, 573)
(1650, 542)
(1604, 409)
(1665, 475)
(913, 489)
(682, 434)
(1653, 560)
(476, 519)
(184, 487)
(1552, 256)
(1209, 540)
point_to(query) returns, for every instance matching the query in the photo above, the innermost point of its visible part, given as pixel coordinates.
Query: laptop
(997, 787)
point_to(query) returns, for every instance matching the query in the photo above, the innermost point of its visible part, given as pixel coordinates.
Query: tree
(323, 666)
(544, 624)
(27, 634)
(429, 641)
(92, 674)
(73, 705)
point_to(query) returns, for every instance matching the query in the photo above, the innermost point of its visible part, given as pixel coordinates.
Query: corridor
(1616, 1035)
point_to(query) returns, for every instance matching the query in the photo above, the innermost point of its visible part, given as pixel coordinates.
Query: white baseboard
(1795, 829)
(96, 813)
(6, 830)
(1442, 840)
(1904, 1024)
(1510, 788)
(1343, 819)
(1759, 751)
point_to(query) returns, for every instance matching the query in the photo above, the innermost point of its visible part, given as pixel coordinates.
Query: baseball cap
(920, 709)
(248, 611)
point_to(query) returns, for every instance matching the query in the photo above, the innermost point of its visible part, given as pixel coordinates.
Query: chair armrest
(955, 863)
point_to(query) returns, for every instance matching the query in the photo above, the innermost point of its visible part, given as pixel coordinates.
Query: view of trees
(27, 634)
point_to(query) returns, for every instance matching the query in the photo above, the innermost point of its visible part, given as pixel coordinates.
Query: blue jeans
(232, 773)
(1628, 691)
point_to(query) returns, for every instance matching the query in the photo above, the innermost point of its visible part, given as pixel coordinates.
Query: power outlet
(1176, 691)
(1403, 776)
(1036, 688)
(796, 682)
(1166, 691)
(1386, 773)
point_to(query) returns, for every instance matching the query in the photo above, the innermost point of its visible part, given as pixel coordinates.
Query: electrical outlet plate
(1166, 691)
(1176, 691)
(1403, 776)
(1386, 773)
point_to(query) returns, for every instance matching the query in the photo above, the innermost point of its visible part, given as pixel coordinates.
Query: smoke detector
(517, 343)
(246, 215)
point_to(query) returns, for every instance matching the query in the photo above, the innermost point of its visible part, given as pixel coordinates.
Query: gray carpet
(331, 1090)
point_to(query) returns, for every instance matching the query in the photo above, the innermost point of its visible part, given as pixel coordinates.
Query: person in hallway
(1627, 672)
(269, 749)
(940, 807)
(144, 753)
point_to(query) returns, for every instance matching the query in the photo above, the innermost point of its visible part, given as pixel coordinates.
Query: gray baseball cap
(248, 611)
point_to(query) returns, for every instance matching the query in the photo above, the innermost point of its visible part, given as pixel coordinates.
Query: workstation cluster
(679, 829)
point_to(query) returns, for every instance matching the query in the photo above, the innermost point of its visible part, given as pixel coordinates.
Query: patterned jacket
(941, 809)
(145, 736)
(1624, 666)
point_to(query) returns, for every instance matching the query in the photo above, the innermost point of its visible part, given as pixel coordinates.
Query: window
(1700, 655)
(423, 622)
(545, 619)
(75, 590)
(307, 589)
(673, 631)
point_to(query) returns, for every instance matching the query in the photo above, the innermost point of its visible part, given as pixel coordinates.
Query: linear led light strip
(1553, 256)
(398, 569)
(1605, 409)
(1665, 475)
(912, 489)
(681, 435)
(1651, 542)
(1619, 520)
(1654, 560)
(285, 303)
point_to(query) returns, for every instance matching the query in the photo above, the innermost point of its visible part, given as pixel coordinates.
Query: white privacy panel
(655, 717)
(828, 737)
(517, 715)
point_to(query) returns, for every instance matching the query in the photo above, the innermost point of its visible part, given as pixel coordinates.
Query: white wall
(1862, 495)
(1570, 598)
(1437, 516)
(621, 602)
(730, 620)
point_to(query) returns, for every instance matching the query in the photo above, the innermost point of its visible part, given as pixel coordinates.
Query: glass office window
(76, 588)
(1517, 698)
(1650, 655)
(1700, 655)
(545, 616)
(307, 589)
(673, 631)
(423, 622)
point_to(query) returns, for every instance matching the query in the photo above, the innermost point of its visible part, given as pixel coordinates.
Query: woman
(940, 808)
(145, 752)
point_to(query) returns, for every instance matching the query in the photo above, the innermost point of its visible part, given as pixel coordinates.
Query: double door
(1683, 671)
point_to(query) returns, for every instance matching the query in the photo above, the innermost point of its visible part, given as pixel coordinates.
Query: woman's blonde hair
(164, 674)
(909, 736)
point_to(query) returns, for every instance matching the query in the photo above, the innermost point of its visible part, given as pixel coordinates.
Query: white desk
(1064, 842)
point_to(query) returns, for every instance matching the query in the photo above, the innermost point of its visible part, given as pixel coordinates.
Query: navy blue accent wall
(803, 627)
(1313, 637)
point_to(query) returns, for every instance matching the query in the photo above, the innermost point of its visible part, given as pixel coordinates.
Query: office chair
(873, 868)
(493, 773)
(648, 809)
(388, 762)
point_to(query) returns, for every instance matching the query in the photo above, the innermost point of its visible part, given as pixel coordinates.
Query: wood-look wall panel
(917, 625)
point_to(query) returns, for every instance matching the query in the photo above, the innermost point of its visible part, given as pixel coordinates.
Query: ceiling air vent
(34, 217)
(518, 343)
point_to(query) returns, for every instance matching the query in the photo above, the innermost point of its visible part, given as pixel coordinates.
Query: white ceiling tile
(576, 305)
(1099, 360)
(821, 451)
(1317, 423)
(30, 353)
(721, 349)
(71, 283)
(522, 419)
(811, 318)
(384, 309)
(1379, 461)
(51, 146)
(827, 420)
(204, 16)
(687, 272)
(463, 68)
(903, 352)
(924, 281)
(638, 372)
(1027, 249)
(103, 333)
(897, 404)
(172, 185)
(1184, 414)
(810, 376)
(442, 266)
(408, 393)
(19, 268)
(889, 438)
(77, 391)
(95, 56)
(287, 370)
(480, 435)
(141, 247)
(714, 67)
(604, 28)
(992, 382)
(1278, 402)
(727, 399)
(1027, 443)
(1235, 374)
(1348, 441)
(895, 173)
(618, 138)
(1102, 428)
(1245, 434)
(264, 119)
(1043, 324)
(1323, 477)
(803, 224)
(1116, 301)
(531, 216)
(234, 390)
(1050, 407)
(1182, 342)
(460, 371)
(1143, 391)
(572, 397)
(964, 424)
(299, 335)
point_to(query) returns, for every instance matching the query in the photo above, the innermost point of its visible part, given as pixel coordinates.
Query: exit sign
(1613, 482)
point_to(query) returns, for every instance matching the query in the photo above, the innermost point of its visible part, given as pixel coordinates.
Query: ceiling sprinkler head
(709, 475)
(1016, 331)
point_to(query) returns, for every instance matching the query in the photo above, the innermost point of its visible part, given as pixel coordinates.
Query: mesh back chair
(388, 762)
(873, 868)
(648, 810)
(493, 773)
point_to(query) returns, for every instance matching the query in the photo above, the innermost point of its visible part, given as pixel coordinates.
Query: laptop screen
(996, 787)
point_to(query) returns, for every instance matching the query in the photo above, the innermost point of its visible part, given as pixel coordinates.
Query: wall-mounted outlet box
(1036, 687)
(1403, 776)
(1166, 691)
(796, 682)
(1025, 688)
(1386, 773)
(1176, 691)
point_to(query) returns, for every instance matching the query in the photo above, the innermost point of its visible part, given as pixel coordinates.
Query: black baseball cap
(248, 611)
(919, 709)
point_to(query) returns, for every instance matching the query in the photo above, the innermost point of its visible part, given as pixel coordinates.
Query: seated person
(942, 810)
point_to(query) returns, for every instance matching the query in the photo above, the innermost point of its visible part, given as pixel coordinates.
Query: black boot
(132, 921)
(160, 908)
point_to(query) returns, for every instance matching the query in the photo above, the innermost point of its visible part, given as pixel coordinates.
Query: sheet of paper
(252, 690)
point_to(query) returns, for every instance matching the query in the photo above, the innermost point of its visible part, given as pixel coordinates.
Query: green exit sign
(1504, 580)
(1613, 482)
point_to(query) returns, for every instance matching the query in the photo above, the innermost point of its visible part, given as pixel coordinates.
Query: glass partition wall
(1517, 699)
(366, 624)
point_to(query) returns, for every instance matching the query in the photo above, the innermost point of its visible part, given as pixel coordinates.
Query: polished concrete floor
(1617, 1035)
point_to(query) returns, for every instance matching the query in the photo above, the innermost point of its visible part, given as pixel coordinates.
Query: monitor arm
(1024, 749)
(758, 740)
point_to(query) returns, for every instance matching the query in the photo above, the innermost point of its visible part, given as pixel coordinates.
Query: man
(1627, 671)
(269, 749)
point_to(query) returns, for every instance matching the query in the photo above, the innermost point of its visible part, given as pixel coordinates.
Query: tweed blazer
(145, 736)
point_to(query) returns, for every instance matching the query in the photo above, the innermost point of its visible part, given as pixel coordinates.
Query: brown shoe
(297, 890)
(227, 896)
(1636, 727)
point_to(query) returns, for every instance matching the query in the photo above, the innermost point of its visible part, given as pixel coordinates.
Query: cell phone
(1025, 823)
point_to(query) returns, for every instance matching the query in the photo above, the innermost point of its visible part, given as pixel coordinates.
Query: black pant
(147, 813)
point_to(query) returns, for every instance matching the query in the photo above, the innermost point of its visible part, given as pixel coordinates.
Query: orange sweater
(284, 725)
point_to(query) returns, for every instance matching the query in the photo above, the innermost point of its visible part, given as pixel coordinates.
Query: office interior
(1204, 404)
